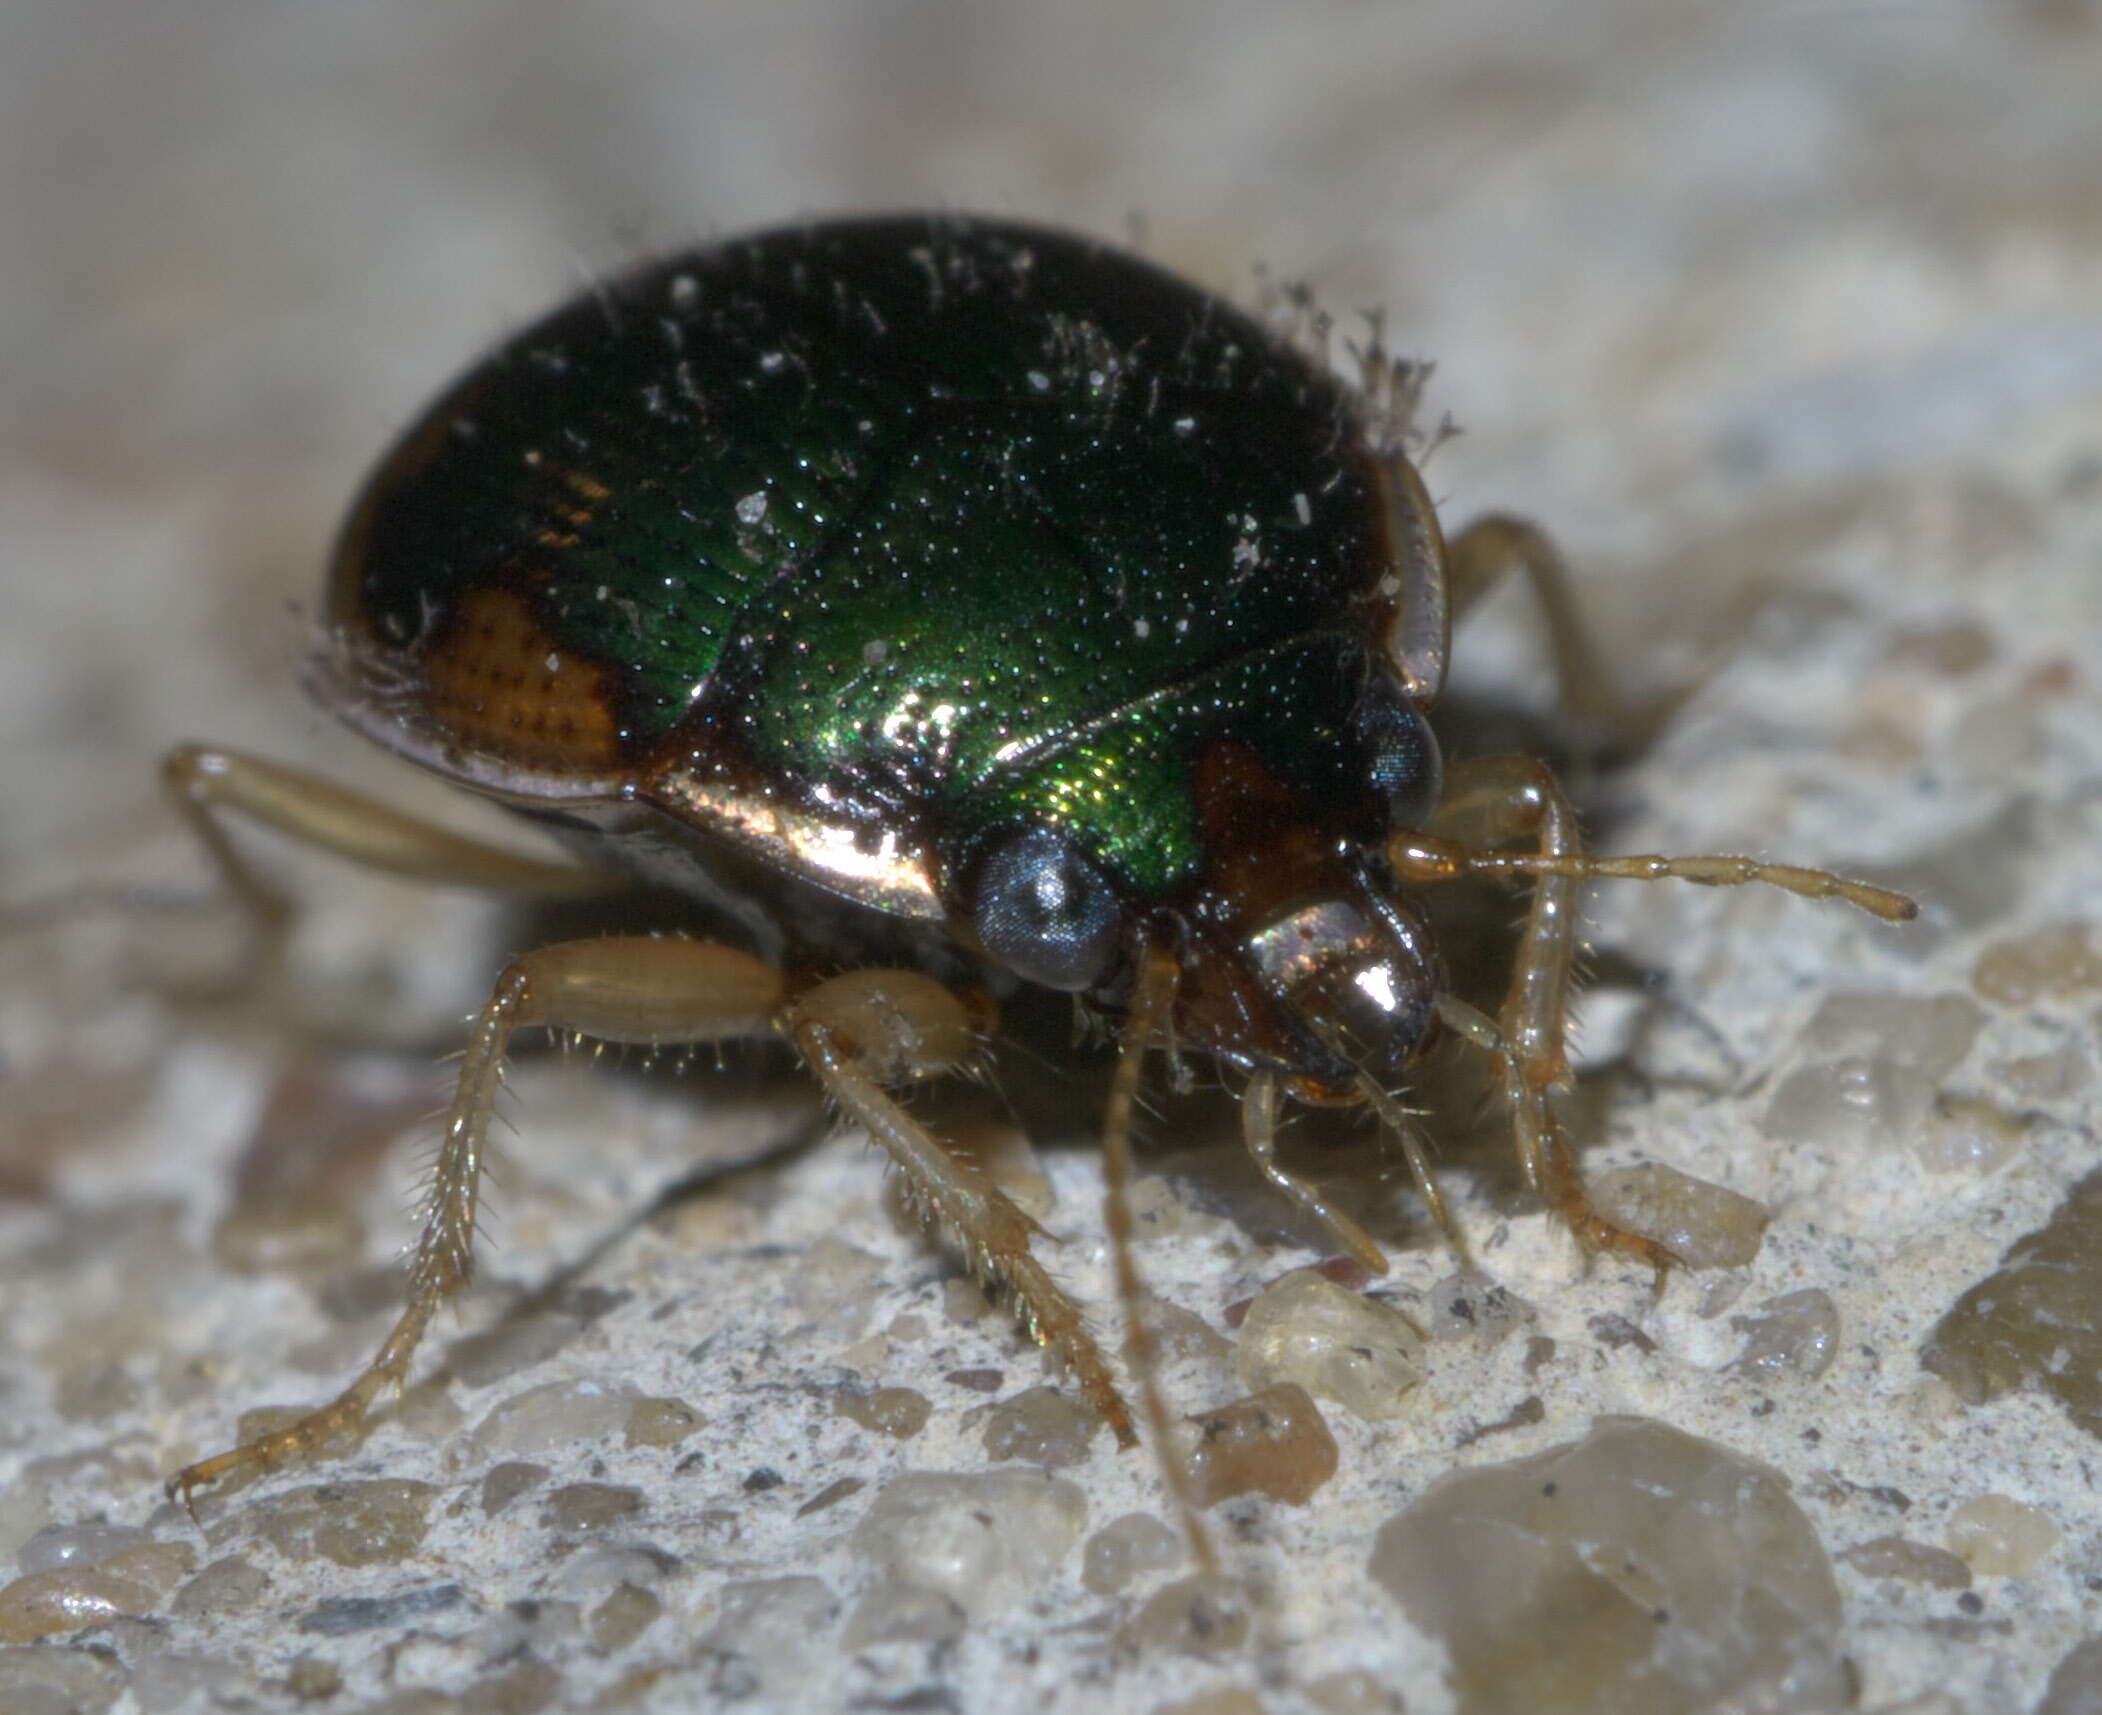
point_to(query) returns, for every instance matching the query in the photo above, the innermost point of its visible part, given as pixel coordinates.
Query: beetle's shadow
(564, 1290)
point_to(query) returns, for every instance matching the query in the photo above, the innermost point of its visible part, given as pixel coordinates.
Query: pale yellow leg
(1491, 548)
(1517, 798)
(634, 990)
(1146, 1024)
(858, 1032)
(868, 1029)
(1510, 798)
(207, 784)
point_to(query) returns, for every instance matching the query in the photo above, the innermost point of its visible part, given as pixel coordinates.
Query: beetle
(948, 605)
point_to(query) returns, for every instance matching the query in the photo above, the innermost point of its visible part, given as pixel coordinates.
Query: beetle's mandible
(979, 595)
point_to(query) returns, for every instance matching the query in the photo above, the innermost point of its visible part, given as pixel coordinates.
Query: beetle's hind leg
(628, 989)
(208, 784)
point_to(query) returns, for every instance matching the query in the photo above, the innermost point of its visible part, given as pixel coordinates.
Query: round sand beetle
(947, 603)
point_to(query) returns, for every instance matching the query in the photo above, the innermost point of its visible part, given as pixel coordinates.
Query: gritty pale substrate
(1821, 413)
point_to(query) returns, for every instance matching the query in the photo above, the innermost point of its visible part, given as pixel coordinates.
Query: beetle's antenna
(1425, 858)
(1150, 1000)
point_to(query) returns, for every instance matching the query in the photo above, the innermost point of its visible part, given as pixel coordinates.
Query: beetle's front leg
(1496, 800)
(1492, 802)
(868, 1030)
(630, 989)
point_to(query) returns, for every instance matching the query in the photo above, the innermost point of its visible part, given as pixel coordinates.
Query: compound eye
(1405, 762)
(1046, 912)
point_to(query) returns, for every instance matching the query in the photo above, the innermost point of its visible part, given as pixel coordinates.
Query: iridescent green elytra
(869, 545)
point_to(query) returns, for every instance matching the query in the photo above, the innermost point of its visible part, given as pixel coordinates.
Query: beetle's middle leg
(867, 1030)
(859, 1033)
(1490, 549)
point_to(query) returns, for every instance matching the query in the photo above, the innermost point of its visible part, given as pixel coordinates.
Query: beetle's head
(1293, 953)
(1328, 992)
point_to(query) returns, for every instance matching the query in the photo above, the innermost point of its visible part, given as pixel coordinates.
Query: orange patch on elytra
(500, 686)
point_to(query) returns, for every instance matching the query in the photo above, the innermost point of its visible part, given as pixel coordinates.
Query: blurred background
(1785, 315)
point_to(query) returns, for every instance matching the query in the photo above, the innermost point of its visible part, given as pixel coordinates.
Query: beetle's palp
(1399, 1123)
(1260, 1102)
